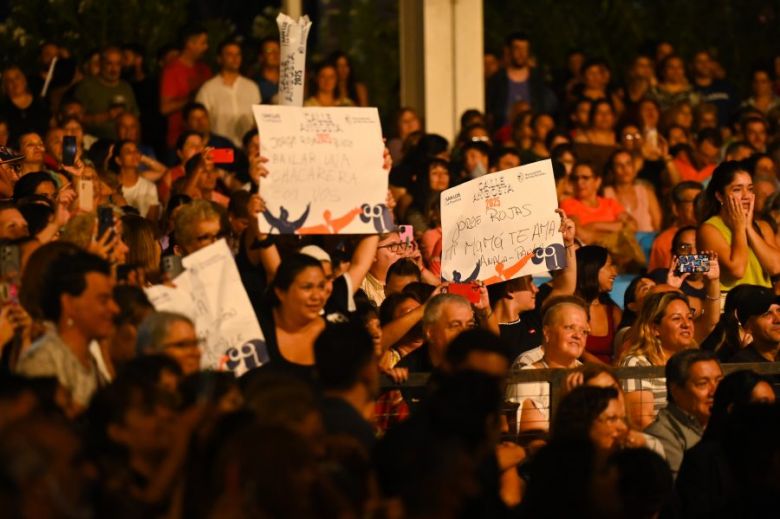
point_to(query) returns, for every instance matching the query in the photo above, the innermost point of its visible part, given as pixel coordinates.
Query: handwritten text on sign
(325, 170)
(502, 226)
(292, 40)
(211, 294)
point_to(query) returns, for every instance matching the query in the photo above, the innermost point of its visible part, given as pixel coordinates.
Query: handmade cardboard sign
(325, 171)
(502, 226)
(211, 294)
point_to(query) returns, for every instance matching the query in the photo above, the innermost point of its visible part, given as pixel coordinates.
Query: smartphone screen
(222, 155)
(693, 263)
(172, 266)
(105, 220)
(68, 150)
(10, 263)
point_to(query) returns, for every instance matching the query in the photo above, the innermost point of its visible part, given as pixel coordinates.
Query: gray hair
(154, 329)
(435, 304)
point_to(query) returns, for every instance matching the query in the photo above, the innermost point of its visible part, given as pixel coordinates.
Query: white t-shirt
(230, 106)
(142, 196)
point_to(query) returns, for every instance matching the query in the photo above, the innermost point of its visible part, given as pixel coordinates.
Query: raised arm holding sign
(502, 226)
(326, 171)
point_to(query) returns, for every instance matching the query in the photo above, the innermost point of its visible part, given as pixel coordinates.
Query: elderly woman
(566, 328)
(170, 334)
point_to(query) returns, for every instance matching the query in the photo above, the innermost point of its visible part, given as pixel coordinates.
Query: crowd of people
(112, 170)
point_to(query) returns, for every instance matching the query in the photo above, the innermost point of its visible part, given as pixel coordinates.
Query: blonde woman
(663, 327)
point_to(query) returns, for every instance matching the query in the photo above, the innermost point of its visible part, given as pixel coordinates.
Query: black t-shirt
(340, 300)
(522, 335)
(747, 354)
(276, 361)
(340, 418)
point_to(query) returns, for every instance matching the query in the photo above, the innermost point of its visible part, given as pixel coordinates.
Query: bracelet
(708, 298)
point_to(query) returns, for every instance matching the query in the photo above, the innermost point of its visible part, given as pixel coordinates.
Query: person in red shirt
(182, 78)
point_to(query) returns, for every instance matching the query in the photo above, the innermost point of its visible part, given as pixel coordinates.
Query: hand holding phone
(86, 194)
(105, 220)
(69, 150)
(10, 262)
(406, 233)
(693, 263)
(172, 266)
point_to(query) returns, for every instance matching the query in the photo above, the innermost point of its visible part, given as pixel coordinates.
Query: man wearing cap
(759, 315)
(10, 160)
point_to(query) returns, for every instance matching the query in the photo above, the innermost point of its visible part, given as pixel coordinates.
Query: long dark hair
(351, 79)
(578, 410)
(288, 270)
(725, 338)
(722, 176)
(421, 190)
(590, 259)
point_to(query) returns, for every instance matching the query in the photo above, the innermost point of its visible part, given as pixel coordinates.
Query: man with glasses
(10, 162)
(196, 226)
(683, 197)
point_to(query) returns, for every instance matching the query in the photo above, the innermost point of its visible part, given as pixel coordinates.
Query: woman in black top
(291, 318)
(24, 111)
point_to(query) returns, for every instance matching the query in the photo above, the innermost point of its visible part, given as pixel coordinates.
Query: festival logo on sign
(503, 225)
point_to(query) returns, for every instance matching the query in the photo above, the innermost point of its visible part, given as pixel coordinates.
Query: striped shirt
(656, 386)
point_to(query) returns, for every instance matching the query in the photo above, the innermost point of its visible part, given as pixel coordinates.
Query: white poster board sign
(292, 65)
(502, 226)
(325, 171)
(210, 293)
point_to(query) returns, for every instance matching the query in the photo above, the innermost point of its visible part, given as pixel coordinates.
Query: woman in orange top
(594, 216)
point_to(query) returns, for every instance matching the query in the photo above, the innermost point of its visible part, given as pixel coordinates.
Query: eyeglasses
(184, 344)
(399, 246)
(13, 166)
(612, 419)
(632, 136)
(209, 237)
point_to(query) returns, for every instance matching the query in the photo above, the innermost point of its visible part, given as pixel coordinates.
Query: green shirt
(97, 97)
(754, 273)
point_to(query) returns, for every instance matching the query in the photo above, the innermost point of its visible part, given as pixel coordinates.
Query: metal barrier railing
(556, 377)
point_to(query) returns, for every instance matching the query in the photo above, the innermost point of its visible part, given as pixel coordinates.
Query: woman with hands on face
(746, 248)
